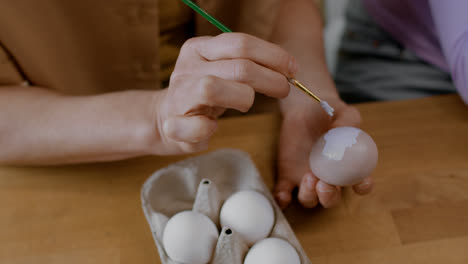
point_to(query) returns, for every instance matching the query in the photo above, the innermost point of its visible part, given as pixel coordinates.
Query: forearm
(38, 126)
(452, 27)
(299, 30)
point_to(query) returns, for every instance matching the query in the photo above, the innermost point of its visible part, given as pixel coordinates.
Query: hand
(300, 129)
(211, 75)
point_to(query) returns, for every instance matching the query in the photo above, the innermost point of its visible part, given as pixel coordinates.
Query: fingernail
(364, 187)
(282, 199)
(323, 188)
(282, 196)
(364, 184)
(293, 66)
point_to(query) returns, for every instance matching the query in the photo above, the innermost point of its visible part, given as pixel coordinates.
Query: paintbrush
(291, 80)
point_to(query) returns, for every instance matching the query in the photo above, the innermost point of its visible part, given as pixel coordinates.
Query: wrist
(152, 138)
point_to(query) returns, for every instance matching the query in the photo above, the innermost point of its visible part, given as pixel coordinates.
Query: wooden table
(418, 212)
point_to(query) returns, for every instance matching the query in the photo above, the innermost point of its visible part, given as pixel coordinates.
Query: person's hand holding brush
(211, 75)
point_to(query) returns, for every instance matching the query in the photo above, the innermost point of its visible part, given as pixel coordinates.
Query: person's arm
(452, 26)
(38, 126)
(299, 30)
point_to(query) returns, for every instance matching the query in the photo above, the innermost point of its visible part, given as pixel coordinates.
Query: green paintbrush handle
(202, 12)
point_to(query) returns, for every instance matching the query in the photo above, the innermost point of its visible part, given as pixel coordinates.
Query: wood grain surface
(418, 212)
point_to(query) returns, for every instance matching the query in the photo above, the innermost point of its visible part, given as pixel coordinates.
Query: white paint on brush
(338, 140)
(327, 108)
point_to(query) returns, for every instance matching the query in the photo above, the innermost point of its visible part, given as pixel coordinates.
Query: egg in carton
(202, 184)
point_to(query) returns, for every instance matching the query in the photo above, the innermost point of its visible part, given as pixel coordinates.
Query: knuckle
(189, 44)
(241, 45)
(207, 88)
(242, 70)
(192, 45)
(226, 36)
(178, 81)
(176, 78)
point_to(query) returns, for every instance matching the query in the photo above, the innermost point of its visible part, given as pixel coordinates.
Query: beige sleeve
(9, 73)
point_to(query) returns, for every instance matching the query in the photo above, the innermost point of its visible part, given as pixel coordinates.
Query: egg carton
(202, 184)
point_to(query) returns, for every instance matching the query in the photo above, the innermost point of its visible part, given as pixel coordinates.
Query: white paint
(330, 111)
(338, 140)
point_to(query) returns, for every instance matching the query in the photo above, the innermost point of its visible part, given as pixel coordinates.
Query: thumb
(347, 116)
(193, 129)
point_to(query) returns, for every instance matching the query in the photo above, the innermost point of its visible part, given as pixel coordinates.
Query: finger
(364, 187)
(328, 195)
(307, 195)
(208, 111)
(242, 46)
(216, 92)
(292, 162)
(193, 129)
(283, 192)
(260, 78)
(349, 116)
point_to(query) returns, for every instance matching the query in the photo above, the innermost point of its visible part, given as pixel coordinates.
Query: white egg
(344, 156)
(250, 214)
(272, 251)
(190, 237)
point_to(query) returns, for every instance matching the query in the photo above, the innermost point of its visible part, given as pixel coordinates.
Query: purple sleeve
(451, 20)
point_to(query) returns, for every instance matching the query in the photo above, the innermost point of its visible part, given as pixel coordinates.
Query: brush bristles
(330, 111)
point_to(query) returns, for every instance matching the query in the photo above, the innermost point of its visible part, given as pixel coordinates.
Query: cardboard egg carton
(202, 184)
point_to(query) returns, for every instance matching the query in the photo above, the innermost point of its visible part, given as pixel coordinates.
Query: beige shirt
(95, 46)
(176, 22)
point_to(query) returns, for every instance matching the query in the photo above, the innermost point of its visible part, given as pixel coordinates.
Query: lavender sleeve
(451, 20)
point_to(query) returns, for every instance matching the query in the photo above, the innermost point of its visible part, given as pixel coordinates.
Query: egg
(272, 251)
(344, 156)
(190, 237)
(250, 214)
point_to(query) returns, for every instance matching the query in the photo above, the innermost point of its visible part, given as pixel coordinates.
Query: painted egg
(272, 251)
(190, 237)
(250, 214)
(344, 156)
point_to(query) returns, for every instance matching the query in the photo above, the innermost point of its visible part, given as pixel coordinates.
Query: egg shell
(272, 251)
(250, 214)
(190, 237)
(344, 156)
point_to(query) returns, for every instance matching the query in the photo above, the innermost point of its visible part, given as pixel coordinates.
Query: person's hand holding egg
(304, 162)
